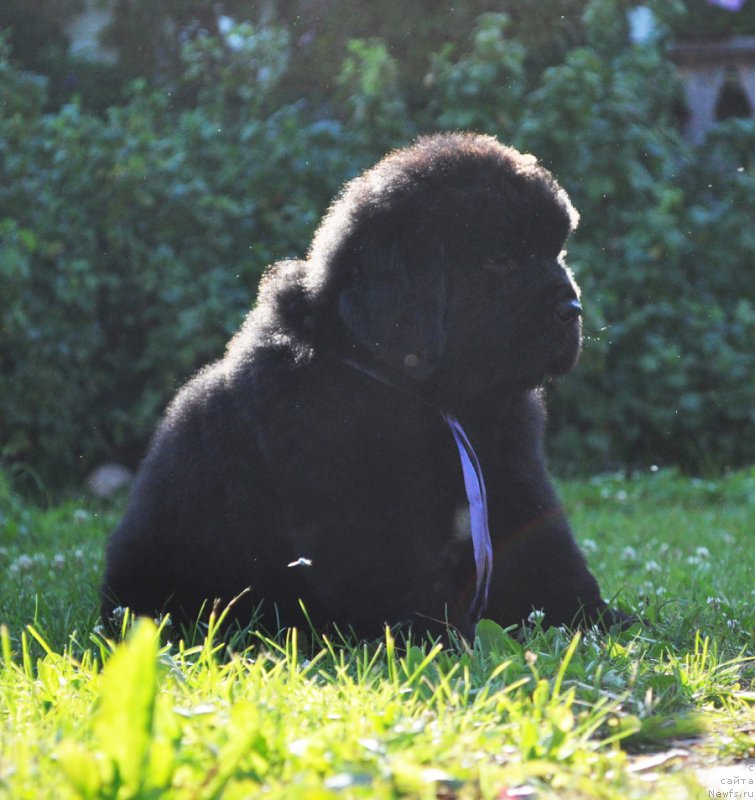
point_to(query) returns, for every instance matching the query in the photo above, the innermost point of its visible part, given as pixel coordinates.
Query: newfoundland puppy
(370, 447)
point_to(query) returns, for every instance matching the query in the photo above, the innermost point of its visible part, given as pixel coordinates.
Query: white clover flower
(593, 635)
(589, 545)
(622, 496)
(59, 561)
(536, 616)
(628, 554)
(652, 566)
(699, 559)
(714, 602)
(23, 563)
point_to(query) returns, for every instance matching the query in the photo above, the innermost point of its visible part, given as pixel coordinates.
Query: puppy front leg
(539, 567)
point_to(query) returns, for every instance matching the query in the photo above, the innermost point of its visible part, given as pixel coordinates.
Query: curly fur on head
(285, 470)
(451, 178)
(403, 236)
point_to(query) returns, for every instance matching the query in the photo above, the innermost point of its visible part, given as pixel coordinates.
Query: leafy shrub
(131, 246)
(482, 90)
(662, 255)
(131, 242)
(370, 96)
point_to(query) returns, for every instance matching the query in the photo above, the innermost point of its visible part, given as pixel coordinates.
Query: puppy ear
(395, 299)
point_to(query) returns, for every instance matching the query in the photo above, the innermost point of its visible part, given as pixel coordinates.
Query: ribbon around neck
(474, 484)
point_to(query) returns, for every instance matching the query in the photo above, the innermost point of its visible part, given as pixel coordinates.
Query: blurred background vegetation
(143, 193)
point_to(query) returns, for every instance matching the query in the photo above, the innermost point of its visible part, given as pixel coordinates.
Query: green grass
(552, 714)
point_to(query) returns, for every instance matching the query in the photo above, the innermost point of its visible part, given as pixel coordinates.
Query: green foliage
(408, 31)
(482, 90)
(148, 36)
(23, 92)
(124, 725)
(662, 255)
(548, 35)
(239, 71)
(131, 246)
(370, 96)
(131, 242)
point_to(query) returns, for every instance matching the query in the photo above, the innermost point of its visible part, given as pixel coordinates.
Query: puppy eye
(501, 266)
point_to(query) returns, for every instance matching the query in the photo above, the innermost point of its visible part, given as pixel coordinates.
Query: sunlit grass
(547, 714)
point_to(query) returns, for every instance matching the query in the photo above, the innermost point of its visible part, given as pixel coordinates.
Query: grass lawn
(662, 710)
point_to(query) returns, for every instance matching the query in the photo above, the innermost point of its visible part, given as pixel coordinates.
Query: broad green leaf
(124, 720)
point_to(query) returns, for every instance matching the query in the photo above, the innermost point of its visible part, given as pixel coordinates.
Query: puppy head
(443, 261)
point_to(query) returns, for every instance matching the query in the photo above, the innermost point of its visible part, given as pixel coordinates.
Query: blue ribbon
(474, 484)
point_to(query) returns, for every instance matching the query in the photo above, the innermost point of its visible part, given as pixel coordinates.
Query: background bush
(131, 240)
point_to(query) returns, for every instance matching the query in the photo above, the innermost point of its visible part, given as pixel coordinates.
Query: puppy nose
(568, 309)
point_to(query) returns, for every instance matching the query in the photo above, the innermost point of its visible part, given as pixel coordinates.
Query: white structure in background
(715, 72)
(718, 74)
(84, 33)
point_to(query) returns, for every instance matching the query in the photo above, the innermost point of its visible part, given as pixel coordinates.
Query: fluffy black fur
(435, 282)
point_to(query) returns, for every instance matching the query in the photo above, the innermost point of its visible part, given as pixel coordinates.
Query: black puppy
(378, 413)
